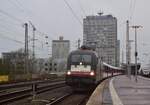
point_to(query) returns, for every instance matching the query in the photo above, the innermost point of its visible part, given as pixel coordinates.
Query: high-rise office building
(101, 31)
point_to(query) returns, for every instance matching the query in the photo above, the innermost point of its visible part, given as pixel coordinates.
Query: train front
(81, 68)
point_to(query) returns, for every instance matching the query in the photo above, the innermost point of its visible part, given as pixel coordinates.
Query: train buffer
(121, 90)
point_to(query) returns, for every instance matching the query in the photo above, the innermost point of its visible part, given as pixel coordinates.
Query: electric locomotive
(83, 68)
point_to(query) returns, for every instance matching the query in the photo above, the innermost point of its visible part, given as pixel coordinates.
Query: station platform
(121, 90)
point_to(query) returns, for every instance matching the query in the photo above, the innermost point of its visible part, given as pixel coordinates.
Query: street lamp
(136, 53)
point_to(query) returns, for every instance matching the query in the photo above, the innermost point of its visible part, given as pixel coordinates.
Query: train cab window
(75, 58)
(81, 58)
(86, 58)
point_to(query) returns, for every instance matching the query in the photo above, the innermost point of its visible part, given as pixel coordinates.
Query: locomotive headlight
(92, 73)
(80, 63)
(68, 73)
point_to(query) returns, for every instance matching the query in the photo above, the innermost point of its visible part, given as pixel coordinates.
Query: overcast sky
(54, 18)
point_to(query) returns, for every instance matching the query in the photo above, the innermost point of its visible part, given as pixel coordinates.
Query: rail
(14, 96)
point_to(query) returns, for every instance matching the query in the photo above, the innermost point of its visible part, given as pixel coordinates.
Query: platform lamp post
(129, 65)
(136, 53)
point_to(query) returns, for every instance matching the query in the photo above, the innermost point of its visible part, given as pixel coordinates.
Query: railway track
(28, 83)
(17, 95)
(71, 99)
(58, 100)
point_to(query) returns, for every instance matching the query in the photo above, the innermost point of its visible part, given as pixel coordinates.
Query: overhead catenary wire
(16, 19)
(11, 16)
(18, 2)
(17, 41)
(134, 6)
(10, 30)
(6, 37)
(19, 6)
(72, 11)
(14, 4)
(44, 34)
(81, 7)
(74, 14)
(10, 23)
(2, 35)
(132, 9)
(37, 33)
(23, 7)
(9, 33)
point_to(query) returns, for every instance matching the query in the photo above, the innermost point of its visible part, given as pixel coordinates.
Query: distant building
(4, 68)
(60, 48)
(59, 65)
(101, 31)
(39, 65)
(49, 66)
(118, 52)
(15, 61)
(60, 52)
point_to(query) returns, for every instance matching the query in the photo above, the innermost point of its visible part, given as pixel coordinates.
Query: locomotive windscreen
(81, 58)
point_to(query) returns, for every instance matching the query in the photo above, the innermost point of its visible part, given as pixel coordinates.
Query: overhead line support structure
(33, 45)
(136, 52)
(128, 59)
(26, 48)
